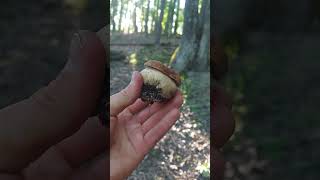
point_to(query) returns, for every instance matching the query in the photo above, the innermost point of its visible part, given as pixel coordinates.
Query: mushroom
(160, 83)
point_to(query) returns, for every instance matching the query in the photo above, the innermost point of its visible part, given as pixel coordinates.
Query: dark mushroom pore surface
(150, 93)
(160, 82)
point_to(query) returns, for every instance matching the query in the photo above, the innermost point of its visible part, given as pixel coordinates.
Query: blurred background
(273, 49)
(34, 41)
(177, 33)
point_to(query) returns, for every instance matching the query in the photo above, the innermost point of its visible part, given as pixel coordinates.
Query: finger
(127, 114)
(142, 116)
(30, 127)
(123, 99)
(10, 177)
(71, 153)
(137, 106)
(97, 169)
(223, 125)
(218, 165)
(145, 114)
(127, 96)
(88, 142)
(50, 165)
(157, 132)
(155, 118)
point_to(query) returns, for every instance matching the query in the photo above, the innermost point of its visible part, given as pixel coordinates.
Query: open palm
(135, 127)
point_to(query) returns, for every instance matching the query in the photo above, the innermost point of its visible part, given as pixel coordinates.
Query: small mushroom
(160, 83)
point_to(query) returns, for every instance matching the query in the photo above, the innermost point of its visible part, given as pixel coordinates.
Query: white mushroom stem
(161, 81)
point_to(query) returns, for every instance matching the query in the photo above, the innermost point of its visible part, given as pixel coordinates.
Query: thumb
(56, 111)
(126, 97)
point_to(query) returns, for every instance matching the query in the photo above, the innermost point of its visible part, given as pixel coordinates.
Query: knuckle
(44, 98)
(125, 93)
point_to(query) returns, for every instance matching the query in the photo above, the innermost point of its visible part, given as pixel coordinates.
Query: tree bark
(146, 29)
(202, 17)
(155, 16)
(158, 25)
(168, 27)
(114, 4)
(134, 17)
(176, 24)
(121, 15)
(188, 45)
(202, 61)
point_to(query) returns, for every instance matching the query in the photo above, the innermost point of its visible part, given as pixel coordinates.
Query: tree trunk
(155, 15)
(127, 13)
(134, 17)
(168, 27)
(147, 18)
(176, 24)
(202, 17)
(202, 61)
(121, 14)
(188, 45)
(142, 18)
(158, 25)
(114, 4)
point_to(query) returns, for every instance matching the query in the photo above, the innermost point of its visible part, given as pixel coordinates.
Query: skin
(223, 123)
(49, 135)
(135, 127)
(222, 128)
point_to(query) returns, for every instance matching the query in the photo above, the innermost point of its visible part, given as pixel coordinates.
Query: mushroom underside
(151, 93)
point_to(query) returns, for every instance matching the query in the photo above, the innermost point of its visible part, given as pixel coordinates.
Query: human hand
(48, 136)
(135, 127)
(223, 123)
(223, 127)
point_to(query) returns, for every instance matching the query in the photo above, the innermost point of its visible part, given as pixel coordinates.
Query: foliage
(140, 8)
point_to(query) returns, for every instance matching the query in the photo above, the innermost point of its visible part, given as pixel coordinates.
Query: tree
(121, 14)
(114, 5)
(168, 27)
(202, 16)
(158, 25)
(134, 18)
(203, 57)
(176, 24)
(155, 15)
(193, 50)
(147, 18)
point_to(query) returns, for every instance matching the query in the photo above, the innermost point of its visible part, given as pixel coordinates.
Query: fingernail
(133, 77)
(74, 51)
(78, 46)
(76, 43)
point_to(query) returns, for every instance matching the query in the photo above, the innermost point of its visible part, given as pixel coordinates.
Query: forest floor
(35, 38)
(275, 86)
(184, 152)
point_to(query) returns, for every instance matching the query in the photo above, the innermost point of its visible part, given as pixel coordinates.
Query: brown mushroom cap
(165, 70)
